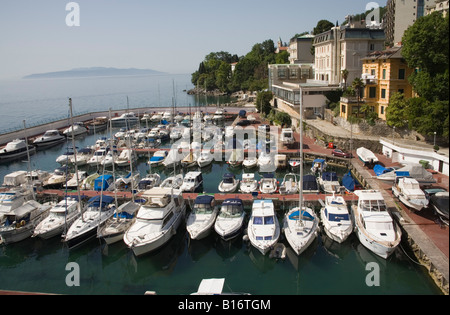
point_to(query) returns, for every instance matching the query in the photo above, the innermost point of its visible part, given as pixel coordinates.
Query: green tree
(358, 86)
(322, 26)
(396, 112)
(345, 77)
(263, 102)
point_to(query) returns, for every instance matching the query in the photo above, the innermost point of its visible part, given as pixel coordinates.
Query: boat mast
(28, 159)
(301, 158)
(75, 156)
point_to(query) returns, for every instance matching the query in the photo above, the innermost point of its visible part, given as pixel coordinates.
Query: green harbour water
(178, 267)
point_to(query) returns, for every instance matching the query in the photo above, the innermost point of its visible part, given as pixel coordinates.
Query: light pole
(434, 140)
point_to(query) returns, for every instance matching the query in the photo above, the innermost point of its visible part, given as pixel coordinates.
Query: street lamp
(434, 141)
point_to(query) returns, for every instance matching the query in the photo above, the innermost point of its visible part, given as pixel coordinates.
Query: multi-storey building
(342, 48)
(300, 50)
(439, 6)
(384, 73)
(400, 14)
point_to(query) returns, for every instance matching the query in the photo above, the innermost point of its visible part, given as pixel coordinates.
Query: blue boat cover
(95, 201)
(348, 181)
(156, 158)
(402, 174)
(379, 169)
(310, 182)
(268, 175)
(102, 181)
(329, 176)
(318, 160)
(305, 215)
(204, 199)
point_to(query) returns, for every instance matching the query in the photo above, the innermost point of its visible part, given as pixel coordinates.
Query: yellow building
(384, 73)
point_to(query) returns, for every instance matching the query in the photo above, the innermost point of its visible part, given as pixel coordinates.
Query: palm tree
(358, 85)
(345, 77)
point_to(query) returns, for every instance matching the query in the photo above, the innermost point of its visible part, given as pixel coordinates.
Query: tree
(322, 26)
(263, 102)
(358, 85)
(345, 77)
(396, 112)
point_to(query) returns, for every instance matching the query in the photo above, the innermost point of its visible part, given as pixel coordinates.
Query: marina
(182, 258)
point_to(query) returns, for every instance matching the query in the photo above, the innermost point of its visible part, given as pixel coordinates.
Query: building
(384, 73)
(300, 50)
(400, 14)
(439, 6)
(342, 48)
(280, 46)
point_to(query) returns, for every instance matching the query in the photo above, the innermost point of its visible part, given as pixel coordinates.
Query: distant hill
(93, 72)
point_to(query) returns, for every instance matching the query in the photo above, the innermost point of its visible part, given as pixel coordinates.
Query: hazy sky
(171, 36)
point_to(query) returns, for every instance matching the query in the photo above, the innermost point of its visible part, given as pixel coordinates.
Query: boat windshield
(230, 211)
(202, 208)
(338, 217)
(263, 220)
(373, 205)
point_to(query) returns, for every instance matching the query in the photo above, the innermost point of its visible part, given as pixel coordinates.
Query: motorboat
(13, 198)
(125, 157)
(349, 183)
(176, 133)
(89, 182)
(15, 179)
(110, 158)
(98, 157)
(192, 181)
(289, 184)
(156, 221)
(172, 158)
(295, 163)
(16, 149)
(268, 184)
(60, 217)
(20, 222)
(141, 134)
(58, 178)
(413, 170)
(36, 178)
(438, 201)
(200, 221)
(98, 210)
(230, 220)
(76, 129)
(49, 138)
(336, 219)
(250, 162)
(97, 124)
(263, 228)
(366, 156)
(149, 181)
(229, 183)
(178, 118)
(205, 158)
(300, 228)
(265, 160)
(156, 117)
(219, 114)
(287, 136)
(174, 182)
(329, 183)
(128, 182)
(113, 229)
(66, 157)
(280, 161)
(127, 119)
(318, 165)
(408, 191)
(157, 158)
(248, 183)
(310, 184)
(374, 226)
(76, 181)
(82, 157)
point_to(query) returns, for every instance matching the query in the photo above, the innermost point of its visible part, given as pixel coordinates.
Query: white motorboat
(173, 158)
(83, 156)
(156, 117)
(268, 184)
(300, 228)
(248, 183)
(174, 182)
(110, 158)
(12, 199)
(413, 170)
(408, 191)
(127, 119)
(366, 156)
(20, 222)
(219, 114)
(60, 217)
(76, 129)
(113, 229)
(157, 158)
(192, 181)
(156, 221)
(329, 183)
(250, 162)
(318, 165)
(205, 158)
(16, 149)
(49, 138)
(74, 182)
(149, 181)
(15, 179)
(289, 184)
(88, 182)
(176, 133)
(336, 218)
(263, 227)
(58, 178)
(202, 217)
(374, 226)
(125, 157)
(66, 157)
(230, 220)
(98, 157)
(265, 161)
(229, 183)
(294, 163)
(98, 210)
(287, 136)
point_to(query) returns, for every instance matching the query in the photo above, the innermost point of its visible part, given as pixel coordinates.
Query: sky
(171, 36)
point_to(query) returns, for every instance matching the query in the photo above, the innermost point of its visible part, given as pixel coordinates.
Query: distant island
(92, 72)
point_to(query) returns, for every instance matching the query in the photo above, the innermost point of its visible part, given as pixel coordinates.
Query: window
(401, 74)
(383, 93)
(372, 71)
(382, 110)
(372, 92)
(384, 74)
(343, 107)
(401, 91)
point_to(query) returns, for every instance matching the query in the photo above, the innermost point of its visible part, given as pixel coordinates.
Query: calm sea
(177, 268)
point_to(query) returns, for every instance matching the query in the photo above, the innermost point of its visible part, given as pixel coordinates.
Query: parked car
(340, 153)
